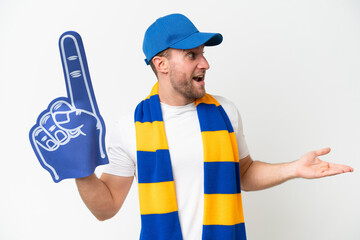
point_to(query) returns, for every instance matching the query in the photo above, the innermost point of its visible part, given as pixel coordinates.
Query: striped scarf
(223, 213)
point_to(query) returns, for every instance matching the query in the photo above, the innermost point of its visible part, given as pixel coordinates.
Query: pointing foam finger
(76, 72)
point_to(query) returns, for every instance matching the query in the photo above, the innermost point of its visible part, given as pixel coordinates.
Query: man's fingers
(76, 72)
(331, 172)
(323, 151)
(334, 169)
(340, 167)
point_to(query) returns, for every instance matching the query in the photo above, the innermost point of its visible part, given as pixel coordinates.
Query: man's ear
(161, 64)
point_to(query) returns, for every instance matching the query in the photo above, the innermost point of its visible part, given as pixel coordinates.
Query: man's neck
(170, 97)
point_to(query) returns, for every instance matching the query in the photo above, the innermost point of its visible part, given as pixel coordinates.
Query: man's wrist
(293, 169)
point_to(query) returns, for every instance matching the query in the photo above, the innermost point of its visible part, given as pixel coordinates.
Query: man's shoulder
(124, 123)
(222, 100)
(125, 118)
(229, 107)
(122, 132)
(231, 111)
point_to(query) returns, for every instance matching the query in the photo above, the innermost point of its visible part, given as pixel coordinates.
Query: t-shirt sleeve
(120, 150)
(240, 137)
(236, 122)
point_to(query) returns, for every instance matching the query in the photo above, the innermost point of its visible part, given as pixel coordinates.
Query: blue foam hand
(69, 136)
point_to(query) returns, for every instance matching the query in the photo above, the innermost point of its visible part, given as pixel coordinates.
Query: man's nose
(203, 64)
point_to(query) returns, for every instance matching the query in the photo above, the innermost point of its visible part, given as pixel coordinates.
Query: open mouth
(198, 79)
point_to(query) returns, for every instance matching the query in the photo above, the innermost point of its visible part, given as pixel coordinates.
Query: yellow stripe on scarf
(219, 209)
(156, 198)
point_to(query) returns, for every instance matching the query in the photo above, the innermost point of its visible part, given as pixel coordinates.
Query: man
(180, 117)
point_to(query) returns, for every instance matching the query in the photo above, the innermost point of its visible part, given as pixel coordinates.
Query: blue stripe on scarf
(216, 232)
(154, 166)
(225, 184)
(161, 227)
(149, 110)
(210, 111)
(218, 121)
(226, 119)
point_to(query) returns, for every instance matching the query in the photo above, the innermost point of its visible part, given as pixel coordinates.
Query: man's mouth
(198, 79)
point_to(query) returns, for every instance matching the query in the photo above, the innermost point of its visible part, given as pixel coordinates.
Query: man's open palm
(310, 166)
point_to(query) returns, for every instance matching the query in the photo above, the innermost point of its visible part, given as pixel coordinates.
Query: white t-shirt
(186, 152)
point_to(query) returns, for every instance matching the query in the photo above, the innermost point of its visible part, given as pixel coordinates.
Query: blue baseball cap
(175, 31)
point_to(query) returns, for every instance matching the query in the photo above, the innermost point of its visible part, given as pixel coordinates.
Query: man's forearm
(260, 175)
(96, 196)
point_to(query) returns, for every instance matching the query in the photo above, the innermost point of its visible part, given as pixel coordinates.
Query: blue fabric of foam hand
(76, 119)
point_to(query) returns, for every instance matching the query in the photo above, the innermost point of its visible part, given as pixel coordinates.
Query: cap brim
(197, 39)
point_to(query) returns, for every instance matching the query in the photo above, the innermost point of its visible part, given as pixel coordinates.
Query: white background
(291, 67)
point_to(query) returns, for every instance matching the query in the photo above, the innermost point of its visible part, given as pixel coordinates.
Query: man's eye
(191, 55)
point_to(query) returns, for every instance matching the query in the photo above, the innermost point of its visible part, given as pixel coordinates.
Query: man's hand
(310, 166)
(68, 138)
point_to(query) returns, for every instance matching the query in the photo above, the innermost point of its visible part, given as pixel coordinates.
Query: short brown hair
(165, 53)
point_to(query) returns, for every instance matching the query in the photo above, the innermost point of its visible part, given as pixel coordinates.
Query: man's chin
(200, 94)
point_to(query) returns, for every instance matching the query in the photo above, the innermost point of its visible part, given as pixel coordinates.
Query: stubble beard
(186, 86)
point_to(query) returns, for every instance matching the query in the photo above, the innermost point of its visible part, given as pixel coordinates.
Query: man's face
(187, 72)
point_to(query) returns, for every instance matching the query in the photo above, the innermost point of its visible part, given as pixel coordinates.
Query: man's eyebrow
(193, 50)
(186, 51)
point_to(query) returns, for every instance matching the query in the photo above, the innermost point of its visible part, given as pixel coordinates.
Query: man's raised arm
(105, 196)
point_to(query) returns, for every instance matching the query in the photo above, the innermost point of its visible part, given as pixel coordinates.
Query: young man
(196, 194)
